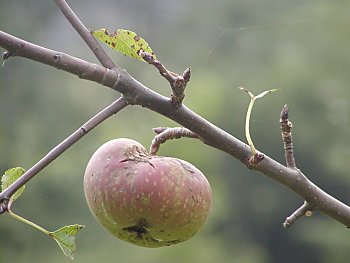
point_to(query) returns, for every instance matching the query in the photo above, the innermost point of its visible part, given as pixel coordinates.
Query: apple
(146, 200)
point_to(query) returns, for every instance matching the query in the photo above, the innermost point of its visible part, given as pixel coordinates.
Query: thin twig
(305, 210)
(177, 82)
(85, 34)
(286, 127)
(150, 59)
(165, 134)
(112, 109)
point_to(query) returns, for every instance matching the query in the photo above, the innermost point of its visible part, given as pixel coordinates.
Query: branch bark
(136, 93)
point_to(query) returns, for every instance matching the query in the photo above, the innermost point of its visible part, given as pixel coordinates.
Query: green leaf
(65, 238)
(9, 177)
(124, 41)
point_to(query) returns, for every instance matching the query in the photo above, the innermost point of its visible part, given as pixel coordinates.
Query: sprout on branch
(256, 156)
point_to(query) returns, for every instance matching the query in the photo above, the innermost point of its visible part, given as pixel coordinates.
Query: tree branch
(112, 109)
(177, 82)
(165, 134)
(286, 127)
(305, 210)
(85, 34)
(136, 93)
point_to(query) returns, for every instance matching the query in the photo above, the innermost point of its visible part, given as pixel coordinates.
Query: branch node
(166, 133)
(178, 87)
(83, 130)
(4, 205)
(57, 58)
(254, 160)
(177, 82)
(308, 213)
(187, 75)
(305, 210)
(286, 128)
(5, 56)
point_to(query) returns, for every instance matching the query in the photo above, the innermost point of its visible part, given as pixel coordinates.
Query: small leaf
(124, 41)
(65, 238)
(9, 177)
(262, 94)
(249, 93)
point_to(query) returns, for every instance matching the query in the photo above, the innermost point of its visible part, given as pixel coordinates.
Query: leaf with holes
(125, 42)
(10, 176)
(65, 238)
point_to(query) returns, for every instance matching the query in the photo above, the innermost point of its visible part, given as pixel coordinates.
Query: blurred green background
(300, 47)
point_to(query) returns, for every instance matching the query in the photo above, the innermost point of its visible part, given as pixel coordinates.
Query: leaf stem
(41, 229)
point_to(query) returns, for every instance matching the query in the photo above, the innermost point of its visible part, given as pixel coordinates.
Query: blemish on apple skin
(142, 227)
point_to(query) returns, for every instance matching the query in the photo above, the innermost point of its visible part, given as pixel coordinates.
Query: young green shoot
(253, 98)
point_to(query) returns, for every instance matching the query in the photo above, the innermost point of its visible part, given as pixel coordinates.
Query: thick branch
(115, 107)
(136, 93)
(78, 67)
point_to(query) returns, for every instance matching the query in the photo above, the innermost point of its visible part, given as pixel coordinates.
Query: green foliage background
(300, 47)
